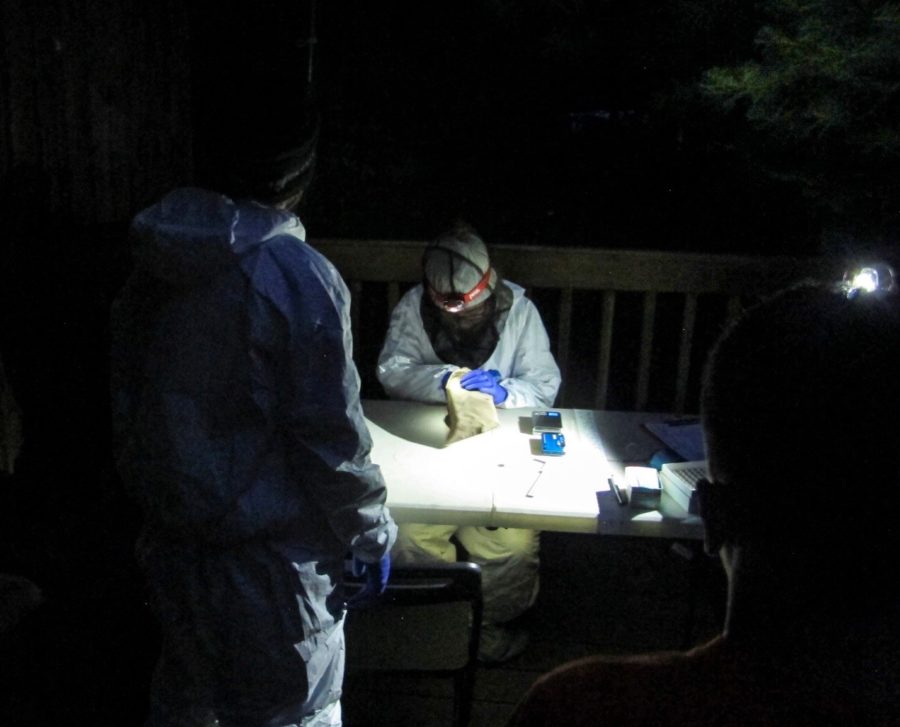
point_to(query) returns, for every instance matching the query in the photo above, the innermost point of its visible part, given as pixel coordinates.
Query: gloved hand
(487, 382)
(377, 575)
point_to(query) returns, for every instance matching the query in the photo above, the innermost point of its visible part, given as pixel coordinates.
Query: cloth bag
(468, 412)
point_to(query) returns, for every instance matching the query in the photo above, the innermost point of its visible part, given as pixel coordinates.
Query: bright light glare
(872, 279)
(866, 279)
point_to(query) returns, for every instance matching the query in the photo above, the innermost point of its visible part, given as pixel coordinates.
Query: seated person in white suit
(463, 315)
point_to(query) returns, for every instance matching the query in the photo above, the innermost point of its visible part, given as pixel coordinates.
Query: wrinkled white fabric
(509, 560)
(408, 367)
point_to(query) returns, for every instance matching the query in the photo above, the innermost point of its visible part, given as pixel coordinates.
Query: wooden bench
(629, 329)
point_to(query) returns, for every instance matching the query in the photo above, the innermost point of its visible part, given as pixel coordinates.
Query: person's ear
(713, 511)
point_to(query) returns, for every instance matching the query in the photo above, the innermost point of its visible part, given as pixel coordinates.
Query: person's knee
(522, 544)
(417, 544)
(513, 544)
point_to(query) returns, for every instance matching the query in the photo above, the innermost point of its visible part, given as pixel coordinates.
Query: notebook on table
(682, 435)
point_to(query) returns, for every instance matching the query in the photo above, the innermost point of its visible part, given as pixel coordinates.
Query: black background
(566, 123)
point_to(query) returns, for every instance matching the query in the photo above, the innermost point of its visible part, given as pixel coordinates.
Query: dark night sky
(545, 127)
(554, 123)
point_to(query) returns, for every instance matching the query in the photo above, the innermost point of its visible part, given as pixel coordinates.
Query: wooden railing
(629, 329)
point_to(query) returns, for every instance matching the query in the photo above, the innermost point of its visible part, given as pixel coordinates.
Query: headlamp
(455, 302)
(869, 279)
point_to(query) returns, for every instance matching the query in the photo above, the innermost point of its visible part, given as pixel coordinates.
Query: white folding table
(501, 478)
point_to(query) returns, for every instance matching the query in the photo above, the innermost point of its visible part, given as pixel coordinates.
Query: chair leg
(463, 693)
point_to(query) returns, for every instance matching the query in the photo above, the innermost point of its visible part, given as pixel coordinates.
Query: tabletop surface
(501, 478)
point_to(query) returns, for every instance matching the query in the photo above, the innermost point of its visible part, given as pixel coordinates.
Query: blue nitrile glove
(444, 379)
(487, 382)
(377, 575)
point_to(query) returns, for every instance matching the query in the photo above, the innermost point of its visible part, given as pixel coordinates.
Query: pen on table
(534, 484)
(617, 491)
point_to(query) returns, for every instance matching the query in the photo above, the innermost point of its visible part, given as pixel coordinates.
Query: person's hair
(799, 401)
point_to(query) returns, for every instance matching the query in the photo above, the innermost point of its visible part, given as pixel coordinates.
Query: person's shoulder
(588, 669)
(522, 308)
(619, 689)
(298, 259)
(185, 210)
(520, 299)
(517, 290)
(412, 296)
(592, 690)
(287, 271)
(294, 247)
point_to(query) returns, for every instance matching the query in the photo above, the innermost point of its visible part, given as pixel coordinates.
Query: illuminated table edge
(405, 514)
(629, 522)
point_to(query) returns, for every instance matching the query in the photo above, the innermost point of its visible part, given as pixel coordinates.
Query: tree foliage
(823, 97)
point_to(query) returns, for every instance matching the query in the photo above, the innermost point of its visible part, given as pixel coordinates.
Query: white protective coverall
(409, 368)
(239, 432)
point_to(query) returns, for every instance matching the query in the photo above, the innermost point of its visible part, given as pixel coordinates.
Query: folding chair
(428, 624)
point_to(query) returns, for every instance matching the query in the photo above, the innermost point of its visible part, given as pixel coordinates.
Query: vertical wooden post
(563, 337)
(685, 345)
(607, 314)
(646, 354)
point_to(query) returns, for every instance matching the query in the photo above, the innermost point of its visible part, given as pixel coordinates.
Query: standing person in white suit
(240, 435)
(463, 315)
